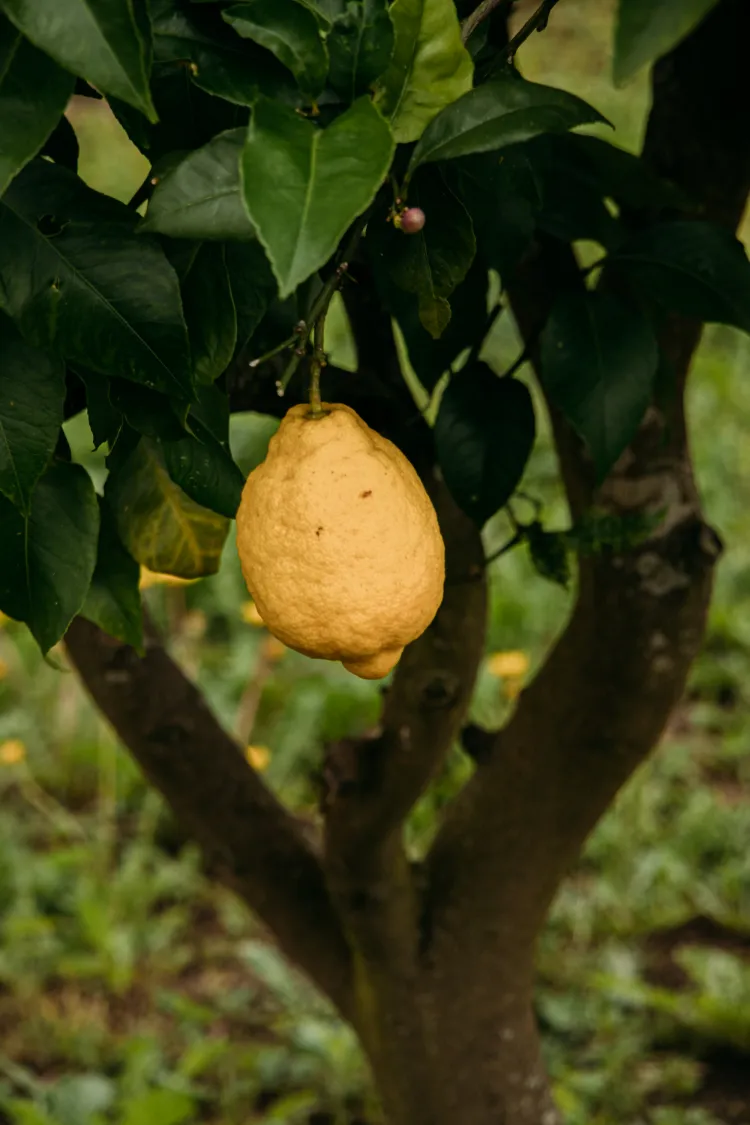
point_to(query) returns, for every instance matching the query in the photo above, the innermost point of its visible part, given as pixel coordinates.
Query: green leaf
(484, 434)
(105, 419)
(549, 553)
(212, 412)
(148, 412)
(62, 145)
(72, 272)
(158, 1107)
(253, 286)
(618, 174)
(599, 361)
(210, 312)
(431, 358)
(32, 393)
(201, 196)
(647, 29)
(694, 268)
(433, 262)
(205, 471)
(430, 67)
(34, 91)
(571, 200)
(360, 45)
(503, 198)
(114, 599)
(161, 527)
(500, 113)
(303, 186)
(188, 116)
(48, 557)
(290, 31)
(102, 40)
(221, 63)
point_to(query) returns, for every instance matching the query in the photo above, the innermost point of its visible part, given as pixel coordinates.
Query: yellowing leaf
(150, 578)
(508, 664)
(258, 757)
(12, 751)
(4, 669)
(162, 528)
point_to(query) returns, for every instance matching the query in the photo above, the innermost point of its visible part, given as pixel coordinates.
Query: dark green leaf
(205, 471)
(430, 67)
(72, 272)
(572, 205)
(503, 198)
(62, 145)
(500, 113)
(48, 557)
(150, 413)
(648, 29)
(290, 31)
(201, 197)
(304, 186)
(161, 527)
(104, 42)
(34, 91)
(221, 63)
(212, 412)
(432, 263)
(32, 392)
(484, 433)
(188, 116)
(210, 312)
(599, 361)
(695, 268)
(360, 45)
(326, 11)
(253, 286)
(431, 358)
(105, 419)
(114, 599)
(617, 174)
(549, 553)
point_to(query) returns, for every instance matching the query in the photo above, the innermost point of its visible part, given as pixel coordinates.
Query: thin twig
(517, 538)
(480, 13)
(537, 22)
(323, 300)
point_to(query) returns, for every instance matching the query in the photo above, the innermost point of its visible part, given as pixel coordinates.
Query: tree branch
(601, 701)
(255, 845)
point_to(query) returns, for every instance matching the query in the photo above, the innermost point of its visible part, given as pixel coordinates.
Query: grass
(134, 992)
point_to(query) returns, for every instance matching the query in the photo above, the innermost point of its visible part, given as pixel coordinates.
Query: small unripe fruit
(412, 220)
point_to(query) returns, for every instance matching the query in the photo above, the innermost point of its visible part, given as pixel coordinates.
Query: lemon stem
(317, 363)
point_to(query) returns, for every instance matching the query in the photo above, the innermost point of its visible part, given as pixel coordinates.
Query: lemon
(339, 542)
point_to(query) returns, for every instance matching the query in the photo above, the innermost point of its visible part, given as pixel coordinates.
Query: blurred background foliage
(135, 992)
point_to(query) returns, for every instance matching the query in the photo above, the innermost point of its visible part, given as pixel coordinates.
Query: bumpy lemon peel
(339, 542)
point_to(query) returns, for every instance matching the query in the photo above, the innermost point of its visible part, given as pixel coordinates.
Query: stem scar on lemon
(339, 542)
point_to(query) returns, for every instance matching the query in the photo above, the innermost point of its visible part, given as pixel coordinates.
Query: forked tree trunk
(434, 966)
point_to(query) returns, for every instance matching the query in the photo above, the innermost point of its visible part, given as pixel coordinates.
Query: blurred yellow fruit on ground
(12, 751)
(339, 542)
(504, 664)
(258, 757)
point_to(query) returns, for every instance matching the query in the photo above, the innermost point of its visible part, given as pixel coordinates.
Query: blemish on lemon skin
(364, 495)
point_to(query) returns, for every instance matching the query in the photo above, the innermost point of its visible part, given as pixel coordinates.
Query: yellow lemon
(339, 542)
